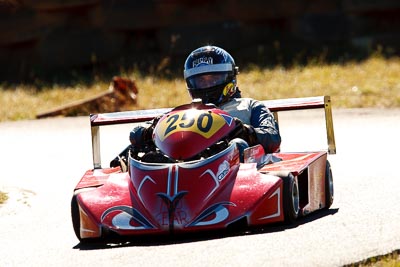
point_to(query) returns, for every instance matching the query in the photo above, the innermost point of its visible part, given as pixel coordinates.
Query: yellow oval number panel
(198, 121)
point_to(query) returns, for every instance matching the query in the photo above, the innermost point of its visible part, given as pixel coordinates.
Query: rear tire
(329, 192)
(291, 199)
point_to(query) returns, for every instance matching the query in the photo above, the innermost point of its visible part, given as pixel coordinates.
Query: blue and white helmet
(210, 74)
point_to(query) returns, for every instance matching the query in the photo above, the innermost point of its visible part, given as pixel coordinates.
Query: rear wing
(275, 106)
(307, 103)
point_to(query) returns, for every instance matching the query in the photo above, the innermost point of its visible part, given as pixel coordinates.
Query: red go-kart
(196, 178)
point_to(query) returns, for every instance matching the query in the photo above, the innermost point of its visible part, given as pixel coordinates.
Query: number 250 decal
(203, 123)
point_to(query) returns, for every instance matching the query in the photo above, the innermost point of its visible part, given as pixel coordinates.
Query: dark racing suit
(256, 114)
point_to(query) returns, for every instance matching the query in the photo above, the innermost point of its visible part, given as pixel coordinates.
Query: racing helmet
(210, 74)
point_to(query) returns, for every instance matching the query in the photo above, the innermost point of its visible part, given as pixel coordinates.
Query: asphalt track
(41, 162)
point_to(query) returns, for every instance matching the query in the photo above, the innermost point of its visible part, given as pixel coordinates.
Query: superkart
(196, 178)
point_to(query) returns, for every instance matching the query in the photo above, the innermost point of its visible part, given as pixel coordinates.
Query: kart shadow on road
(147, 241)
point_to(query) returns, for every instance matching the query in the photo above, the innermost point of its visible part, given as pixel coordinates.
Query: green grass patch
(370, 83)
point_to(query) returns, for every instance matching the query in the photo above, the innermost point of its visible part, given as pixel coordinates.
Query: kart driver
(210, 74)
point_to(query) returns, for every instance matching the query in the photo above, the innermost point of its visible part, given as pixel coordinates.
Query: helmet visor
(202, 81)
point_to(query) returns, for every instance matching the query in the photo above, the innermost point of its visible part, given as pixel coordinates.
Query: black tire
(76, 221)
(291, 200)
(329, 192)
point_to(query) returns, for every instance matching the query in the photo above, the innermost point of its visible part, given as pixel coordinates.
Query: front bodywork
(172, 198)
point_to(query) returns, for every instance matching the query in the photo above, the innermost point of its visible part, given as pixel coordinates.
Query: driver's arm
(265, 127)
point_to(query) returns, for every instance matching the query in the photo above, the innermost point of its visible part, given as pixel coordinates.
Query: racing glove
(141, 135)
(245, 132)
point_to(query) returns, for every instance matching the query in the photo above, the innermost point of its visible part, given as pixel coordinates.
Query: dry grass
(371, 83)
(389, 260)
(3, 197)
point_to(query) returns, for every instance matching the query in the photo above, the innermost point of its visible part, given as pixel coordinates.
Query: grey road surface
(41, 162)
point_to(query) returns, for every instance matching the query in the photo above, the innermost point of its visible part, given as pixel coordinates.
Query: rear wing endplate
(275, 106)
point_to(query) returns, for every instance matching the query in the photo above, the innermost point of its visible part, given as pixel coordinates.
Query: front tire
(76, 221)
